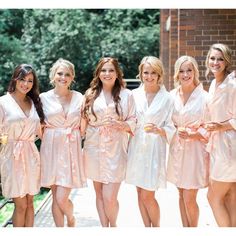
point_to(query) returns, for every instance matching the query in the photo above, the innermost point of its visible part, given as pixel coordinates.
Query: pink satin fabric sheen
(105, 148)
(188, 161)
(61, 154)
(19, 158)
(222, 144)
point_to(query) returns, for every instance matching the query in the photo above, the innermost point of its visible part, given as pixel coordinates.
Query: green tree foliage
(11, 50)
(83, 36)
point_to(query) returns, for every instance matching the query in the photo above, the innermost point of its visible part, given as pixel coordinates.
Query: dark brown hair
(20, 72)
(96, 87)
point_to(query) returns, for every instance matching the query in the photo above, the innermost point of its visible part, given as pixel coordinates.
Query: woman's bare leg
(19, 213)
(143, 210)
(65, 204)
(111, 204)
(29, 215)
(230, 202)
(100, 204)
(217, 192)
(57, 213)
(152, 207)
(191, 206)
(182, 209)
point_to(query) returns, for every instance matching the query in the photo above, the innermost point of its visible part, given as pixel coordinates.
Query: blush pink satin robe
(188, 162)
(19, 158)
(222, 145)
(105, 149)
(61, 153)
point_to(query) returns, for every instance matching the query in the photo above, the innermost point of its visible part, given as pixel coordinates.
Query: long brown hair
(96, 87)
(20, 72)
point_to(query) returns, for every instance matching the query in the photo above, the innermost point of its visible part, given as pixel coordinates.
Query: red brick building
(191, 32)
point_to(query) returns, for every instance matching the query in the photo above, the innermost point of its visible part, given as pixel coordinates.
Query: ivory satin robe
(222, 144)
(188, 162)
(19, 158)
(147, 152)
(61, 153)
(105, 149)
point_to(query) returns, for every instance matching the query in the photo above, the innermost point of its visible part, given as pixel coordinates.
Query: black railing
(132, 83)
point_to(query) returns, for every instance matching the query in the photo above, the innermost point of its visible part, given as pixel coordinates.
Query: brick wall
(191, 32)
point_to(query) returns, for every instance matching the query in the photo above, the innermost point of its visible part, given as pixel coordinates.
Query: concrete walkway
(129, 216)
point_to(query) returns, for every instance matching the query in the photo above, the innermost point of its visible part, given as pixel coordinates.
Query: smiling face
(108, 74)
(24, 85)
(149, 76)
(216, 62)
(63, 77)
(186, 73)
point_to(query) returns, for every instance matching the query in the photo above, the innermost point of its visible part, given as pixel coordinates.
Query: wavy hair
(96, 87)
(20, 72)
(227, 56)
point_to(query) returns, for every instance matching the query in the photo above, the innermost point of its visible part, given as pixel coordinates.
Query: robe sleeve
(83, 121)
(169, 125)
(205, 118)
(2, 114)
(232, 121)
(131, 119)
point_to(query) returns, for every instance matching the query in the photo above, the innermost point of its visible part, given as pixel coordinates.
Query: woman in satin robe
(20, 115)
(61, 154)
(108, 118)
(188, 160)
(146, 167)
(221, 124)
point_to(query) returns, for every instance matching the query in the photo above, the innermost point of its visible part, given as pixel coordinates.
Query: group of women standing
(125, 135)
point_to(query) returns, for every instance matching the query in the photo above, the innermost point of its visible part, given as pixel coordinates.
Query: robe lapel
(21, 112)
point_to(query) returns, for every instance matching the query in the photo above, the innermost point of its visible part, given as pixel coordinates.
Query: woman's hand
(183, 133)
(187, 133)
(214, 126)
(152, 128)
(116, 124)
